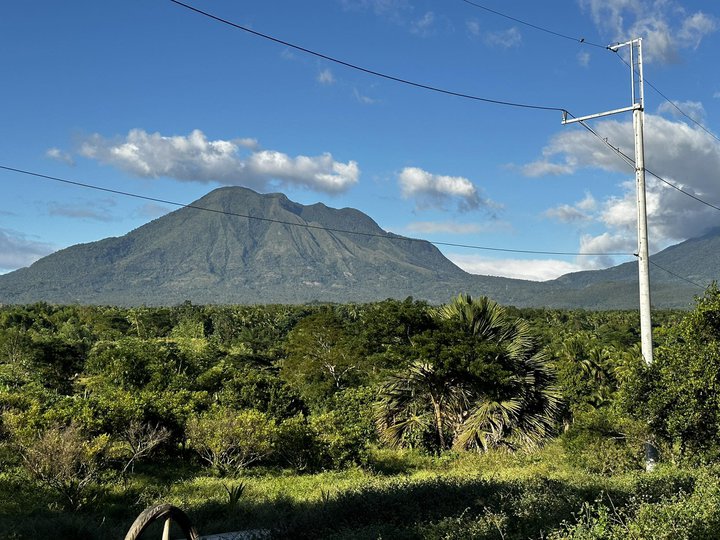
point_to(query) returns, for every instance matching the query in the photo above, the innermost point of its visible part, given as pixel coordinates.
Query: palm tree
(416, 401)
(502, 395)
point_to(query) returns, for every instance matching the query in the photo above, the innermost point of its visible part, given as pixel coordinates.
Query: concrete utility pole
(638, 109)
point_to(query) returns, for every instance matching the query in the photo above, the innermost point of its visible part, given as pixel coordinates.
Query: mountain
(215, 257)
(677, 274)
(292, 253)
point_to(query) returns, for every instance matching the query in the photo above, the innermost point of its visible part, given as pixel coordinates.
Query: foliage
(322, 357)
(231, 440)
(144, 391)
(605, 441)
(64, 460)
(345, 429)
(679, 394)
(298, 444)
(585, 372)
(480, 382)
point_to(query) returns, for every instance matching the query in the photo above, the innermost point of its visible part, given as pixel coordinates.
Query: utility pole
(637, 106)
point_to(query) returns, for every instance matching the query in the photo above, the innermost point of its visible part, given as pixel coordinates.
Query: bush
(64, 460)
(345, 429)
(298, 445)
(604, 441)
(230, 440)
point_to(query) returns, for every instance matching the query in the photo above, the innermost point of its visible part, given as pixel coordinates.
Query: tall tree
(480, 379)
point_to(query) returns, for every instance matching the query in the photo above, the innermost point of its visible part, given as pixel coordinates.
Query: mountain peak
(249, 248)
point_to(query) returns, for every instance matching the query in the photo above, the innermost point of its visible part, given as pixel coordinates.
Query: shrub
(345, 429)
(64, 460)
(230, 440)
(604, 441)
(298, 445)
(679, 394)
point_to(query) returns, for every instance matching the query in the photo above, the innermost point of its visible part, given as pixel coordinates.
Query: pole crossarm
(566, 120)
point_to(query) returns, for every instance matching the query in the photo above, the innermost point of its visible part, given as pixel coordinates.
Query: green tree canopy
(679, 394)
(478, 381)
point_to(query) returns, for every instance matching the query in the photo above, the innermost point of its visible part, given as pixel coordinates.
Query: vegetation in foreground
(384, 420)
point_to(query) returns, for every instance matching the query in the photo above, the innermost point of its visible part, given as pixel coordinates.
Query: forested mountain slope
(292, 253)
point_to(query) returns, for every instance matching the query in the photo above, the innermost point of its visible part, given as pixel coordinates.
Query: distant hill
(213, 257)
(676, 274)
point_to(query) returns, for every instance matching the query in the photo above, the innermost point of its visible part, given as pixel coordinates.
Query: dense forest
(393, 419)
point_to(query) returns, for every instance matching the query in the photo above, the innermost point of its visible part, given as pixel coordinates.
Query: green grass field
(397, 495)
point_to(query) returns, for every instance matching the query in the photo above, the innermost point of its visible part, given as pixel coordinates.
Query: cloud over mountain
(681, 154)
(436, 191)
(17, 250)
(194, 158)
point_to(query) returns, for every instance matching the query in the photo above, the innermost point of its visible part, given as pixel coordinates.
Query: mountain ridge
(293, 253)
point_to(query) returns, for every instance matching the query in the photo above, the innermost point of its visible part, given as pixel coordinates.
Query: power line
(681, 190)
(585, 42)
(388, 236)
(676, 275)
(364, 69)
(671, 102)
(631, 162)
(536, 27)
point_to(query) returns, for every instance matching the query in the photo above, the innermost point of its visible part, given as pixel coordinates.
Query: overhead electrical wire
(364, 69)
(670, 101)
(675, 275)
(627, 159)
(582, 41)
(631, 162)
(388, 236)
(460, 94)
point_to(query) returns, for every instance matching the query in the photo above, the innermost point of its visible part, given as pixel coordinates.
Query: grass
(397, 495)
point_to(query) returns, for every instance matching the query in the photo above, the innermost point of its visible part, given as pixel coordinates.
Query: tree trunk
(437, 409)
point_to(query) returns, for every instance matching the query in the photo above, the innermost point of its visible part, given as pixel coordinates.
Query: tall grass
(398, 495)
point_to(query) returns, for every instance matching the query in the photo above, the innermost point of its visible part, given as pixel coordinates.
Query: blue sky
(151, 98)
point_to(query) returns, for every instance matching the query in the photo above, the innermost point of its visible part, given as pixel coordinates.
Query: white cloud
(530, 269)
(17, 250)
(583, 58)
(326, 77)
(567, 214)
(588, 204)
(544, 168)
(361, 98)
(92, 210)
(579, 212)
(602, 246)
(452, 227)
(473, 27)
(694, 109)
(716, 95)
(434, 190)
(679, 153)
(664, 24)
(379, 7)
(247, 142)
(506, 38)
(695, 27)
(59, 155)
(194, 158)
(424, 25)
